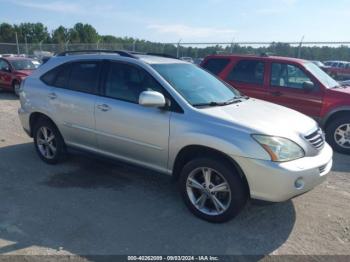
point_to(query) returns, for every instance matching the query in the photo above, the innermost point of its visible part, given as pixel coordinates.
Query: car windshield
(321, 75)
(23, 65)
(197, 86)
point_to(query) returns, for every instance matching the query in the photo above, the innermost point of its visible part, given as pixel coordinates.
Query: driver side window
(287, 75)
(127, 82)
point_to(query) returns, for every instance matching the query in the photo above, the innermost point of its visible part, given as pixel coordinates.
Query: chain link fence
(307, 50)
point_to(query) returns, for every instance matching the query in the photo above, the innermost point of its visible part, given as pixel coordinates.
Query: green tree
(60, 35)
(7, 33)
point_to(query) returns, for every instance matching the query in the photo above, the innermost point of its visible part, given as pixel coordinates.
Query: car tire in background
(212, 189)
(15, 87)
(48, 141)
(338, 134)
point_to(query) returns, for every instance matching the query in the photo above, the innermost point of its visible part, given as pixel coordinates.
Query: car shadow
(7, 95)
(341, 163)
(89, 206)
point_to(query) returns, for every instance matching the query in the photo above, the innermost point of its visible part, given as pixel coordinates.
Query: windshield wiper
(228, 102)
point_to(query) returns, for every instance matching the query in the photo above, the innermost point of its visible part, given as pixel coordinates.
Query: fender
(332, 112)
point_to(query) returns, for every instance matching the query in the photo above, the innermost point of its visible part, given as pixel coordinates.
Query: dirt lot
(93, 206)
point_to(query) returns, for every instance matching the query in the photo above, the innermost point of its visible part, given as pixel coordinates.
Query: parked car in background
(295, 83)
(339, 71)
(321, 65)
(187, 59)
(176, 118)
(13, 69)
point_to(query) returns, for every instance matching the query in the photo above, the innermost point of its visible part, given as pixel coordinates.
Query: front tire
(212, 189)
(338, 134)
(48, 141)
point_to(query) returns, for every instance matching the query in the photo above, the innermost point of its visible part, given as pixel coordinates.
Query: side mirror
(152, 99)
(308, 86)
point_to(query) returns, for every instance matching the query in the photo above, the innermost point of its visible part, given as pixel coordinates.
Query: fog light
(299, 183)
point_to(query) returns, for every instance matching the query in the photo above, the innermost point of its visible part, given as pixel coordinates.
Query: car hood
(257, 116)
(23, 72)
(341, 90)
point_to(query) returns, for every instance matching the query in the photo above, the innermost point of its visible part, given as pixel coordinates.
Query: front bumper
(276, 182)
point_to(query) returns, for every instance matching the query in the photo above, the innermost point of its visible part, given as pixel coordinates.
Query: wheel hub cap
(46, 143)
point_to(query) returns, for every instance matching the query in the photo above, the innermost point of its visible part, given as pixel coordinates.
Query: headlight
(280, 149)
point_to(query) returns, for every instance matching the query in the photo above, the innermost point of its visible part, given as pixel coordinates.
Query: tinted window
(83, 77)
(126, 82)
(286, 75)
(61, 76)
(216, 65)
(49, 77)
(248, 71)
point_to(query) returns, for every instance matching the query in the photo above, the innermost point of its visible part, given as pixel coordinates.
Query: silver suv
(173, 117)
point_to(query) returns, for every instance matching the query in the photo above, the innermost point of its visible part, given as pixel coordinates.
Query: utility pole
(134, 46)
(25, 40)
(66, 45)
(232, 44)
(17, 43)
(178, 49)
(299, 49)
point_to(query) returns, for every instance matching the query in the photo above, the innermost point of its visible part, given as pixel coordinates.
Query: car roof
(15, 58)
(262, 57)
(145, 58)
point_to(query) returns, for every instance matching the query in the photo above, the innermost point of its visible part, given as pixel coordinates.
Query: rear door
(73, 98)
(286, 88)
(248, 76)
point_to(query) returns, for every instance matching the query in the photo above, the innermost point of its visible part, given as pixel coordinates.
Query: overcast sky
(192, 20)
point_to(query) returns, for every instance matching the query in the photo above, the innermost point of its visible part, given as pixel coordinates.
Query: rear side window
(84, 77)
(216, 65)
(78, 76)
(248, 71)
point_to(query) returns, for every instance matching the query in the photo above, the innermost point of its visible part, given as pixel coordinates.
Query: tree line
(35, 33)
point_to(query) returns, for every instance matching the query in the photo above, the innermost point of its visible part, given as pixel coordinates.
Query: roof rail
(119, 52)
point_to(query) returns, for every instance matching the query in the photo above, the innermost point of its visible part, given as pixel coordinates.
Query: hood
(257, 116)
(23, 72)
(341, 91)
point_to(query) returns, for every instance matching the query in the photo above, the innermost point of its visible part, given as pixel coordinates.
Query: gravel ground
(92, 206)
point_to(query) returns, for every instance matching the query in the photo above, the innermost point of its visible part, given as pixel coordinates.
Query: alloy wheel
(342, 135)
(46, 142)
(208, 191)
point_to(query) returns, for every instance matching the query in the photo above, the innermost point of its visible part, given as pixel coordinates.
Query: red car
(13, 70)
(294, 83)
(341, 71)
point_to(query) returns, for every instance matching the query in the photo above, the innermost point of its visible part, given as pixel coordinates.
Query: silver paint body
(152, 137)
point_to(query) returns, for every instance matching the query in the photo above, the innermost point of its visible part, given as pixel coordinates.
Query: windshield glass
(197, 86)
(321, 75)
(23, 64)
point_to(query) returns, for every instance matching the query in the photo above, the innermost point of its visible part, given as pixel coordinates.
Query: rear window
(248, 71)
(216, 65)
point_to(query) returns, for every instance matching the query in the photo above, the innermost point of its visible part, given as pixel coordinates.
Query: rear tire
(203, 197)
(16, 87)
(338, 134)
(48, 141)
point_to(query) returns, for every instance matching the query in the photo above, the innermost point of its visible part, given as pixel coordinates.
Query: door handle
(52, 96)
(276, 93)
(103, 107)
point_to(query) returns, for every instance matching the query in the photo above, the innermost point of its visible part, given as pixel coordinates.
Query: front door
(126, 129)
(286, 88)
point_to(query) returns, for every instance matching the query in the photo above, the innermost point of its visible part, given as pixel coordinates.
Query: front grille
(316, 139)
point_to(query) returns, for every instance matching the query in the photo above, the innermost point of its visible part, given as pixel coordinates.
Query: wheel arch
(33, 119)
(192, 151)
(343, 111)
